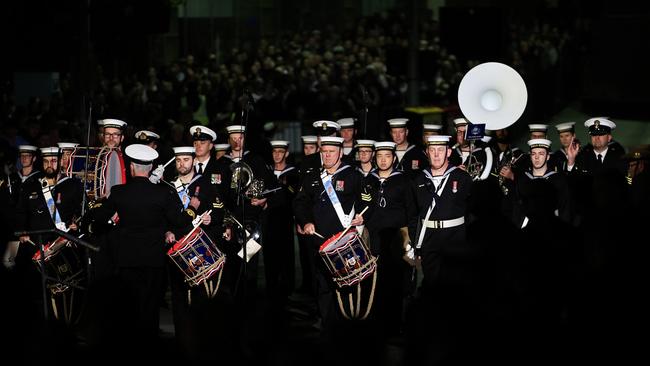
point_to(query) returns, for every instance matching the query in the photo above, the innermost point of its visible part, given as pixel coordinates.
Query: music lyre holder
(41, 263)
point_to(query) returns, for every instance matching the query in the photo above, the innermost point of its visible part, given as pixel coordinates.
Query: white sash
(51, 204)
(181, 189)
(334, 199)
(440, 188)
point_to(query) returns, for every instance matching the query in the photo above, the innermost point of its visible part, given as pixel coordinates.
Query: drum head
(335, 242)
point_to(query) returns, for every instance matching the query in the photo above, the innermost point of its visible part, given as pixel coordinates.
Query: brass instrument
(243, 174)
(508, 161)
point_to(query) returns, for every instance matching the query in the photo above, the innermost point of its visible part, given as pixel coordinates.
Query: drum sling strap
(437, 193)
(51, 204)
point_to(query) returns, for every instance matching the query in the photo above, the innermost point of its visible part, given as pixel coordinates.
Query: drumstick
(349, 226)
(318, 235)
(169, 162)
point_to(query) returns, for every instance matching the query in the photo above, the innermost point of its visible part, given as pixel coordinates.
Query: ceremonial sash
(51, 204)
(181, 190)
(334, 199)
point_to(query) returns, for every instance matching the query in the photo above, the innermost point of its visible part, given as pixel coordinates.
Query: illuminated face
(600, 142)
(65, 159)
(460, 134)
(27, 159)
(236, 141)
(365, 154)
(113, 137)
(309, 149)
(347, 134)
(202, 148)
(399, 135)
(50, 166)
(279, 154)
(538, 157)
(438, 155)
(385, 159)
(184, 164)
(330, 155)
(565, 138)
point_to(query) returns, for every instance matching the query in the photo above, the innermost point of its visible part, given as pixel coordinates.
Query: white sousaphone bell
(494, 94)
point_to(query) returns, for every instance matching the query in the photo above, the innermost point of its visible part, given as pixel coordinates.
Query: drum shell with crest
(348, 258)
(63, 264)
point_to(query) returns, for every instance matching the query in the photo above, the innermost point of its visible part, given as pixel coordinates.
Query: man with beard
(47, 203)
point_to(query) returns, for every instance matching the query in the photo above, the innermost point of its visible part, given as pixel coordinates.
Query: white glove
(157, 174)
(410, 252)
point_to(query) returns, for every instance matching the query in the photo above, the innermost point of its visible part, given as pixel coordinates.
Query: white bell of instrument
(494, 94)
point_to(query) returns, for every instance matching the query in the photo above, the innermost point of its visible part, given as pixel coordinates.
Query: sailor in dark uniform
(475, 158)
(28, 170)
(279, 254)
(149, 216)
(365, 151)
(194, 310)
(328, 211)
(47, 203)
(67, 148)
(410, 159)
(348, 132)
(567, 134)
(439, 239)
(393, 205)
(539, 156)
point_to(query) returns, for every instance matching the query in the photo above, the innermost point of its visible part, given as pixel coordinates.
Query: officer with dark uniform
(393, 205)
(474, 158)
(149, 216)
(330, 200)
(598, 156)
(410, 158)
(279, 254)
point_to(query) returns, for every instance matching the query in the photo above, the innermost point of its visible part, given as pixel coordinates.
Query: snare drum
(102, 169)
(348, 258)
(63, 262)
(197, 257)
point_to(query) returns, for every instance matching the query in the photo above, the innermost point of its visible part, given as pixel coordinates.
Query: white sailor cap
(236, 129)
(309, 139)
(331, 140)
(280, 143)
(202, 133)
(458, 122)
(599, 126)
(385, 145)
(324, 127)
(537, 127)
(27, 149)
(565, 127)
(114, 123)
(398, 122)
(539, 143)
(346, 122)
(50, 151)
(438, 140)
(148, 136)
(431, 127)
(365, 143)
(141, 154)
(67, 145)
(184, 150)
(221, 147)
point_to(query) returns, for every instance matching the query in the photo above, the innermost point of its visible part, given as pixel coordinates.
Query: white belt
(444, 224)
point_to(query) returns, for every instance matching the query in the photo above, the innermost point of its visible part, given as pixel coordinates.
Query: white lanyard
(439, 189)
(334, 199)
